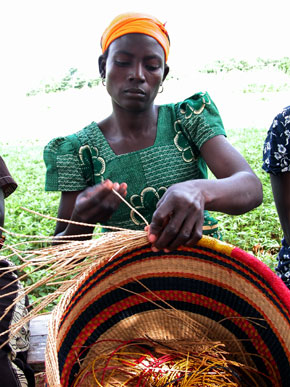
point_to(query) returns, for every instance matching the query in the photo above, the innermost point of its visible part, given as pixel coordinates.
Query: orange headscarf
(132, 23)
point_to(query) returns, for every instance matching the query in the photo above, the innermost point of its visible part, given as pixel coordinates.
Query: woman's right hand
(93, 205)
(98, 203)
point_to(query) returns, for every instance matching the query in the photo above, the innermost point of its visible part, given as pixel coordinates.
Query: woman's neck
(127, 132)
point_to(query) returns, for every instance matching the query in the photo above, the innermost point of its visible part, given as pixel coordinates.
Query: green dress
(85, 158)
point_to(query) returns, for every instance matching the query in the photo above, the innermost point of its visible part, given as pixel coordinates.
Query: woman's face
(134, 69)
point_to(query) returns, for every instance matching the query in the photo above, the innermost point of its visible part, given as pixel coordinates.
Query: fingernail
(154, 249)
(108, 184)
(152, 238)
(166, 251)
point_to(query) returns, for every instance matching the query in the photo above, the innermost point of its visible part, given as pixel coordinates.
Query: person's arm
(7, 187)
(178, 218)
(93, 205)
(281, 189)
(2, 209)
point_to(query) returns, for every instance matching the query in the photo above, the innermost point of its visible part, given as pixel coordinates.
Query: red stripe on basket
(278, 289)
(118, 260)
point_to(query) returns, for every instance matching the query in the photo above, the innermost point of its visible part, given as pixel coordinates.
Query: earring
(160, 88)
(104, 82)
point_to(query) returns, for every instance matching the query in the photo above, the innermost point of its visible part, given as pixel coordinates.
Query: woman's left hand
(178, 218)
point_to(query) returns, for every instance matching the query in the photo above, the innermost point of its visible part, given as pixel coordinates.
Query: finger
(123, 189)
(108, 206)
(184, 234)
(116, 186)
(196, 233)
(161, 217)
(163, 198)
(92, 196)
(170, 231)
(156, 227)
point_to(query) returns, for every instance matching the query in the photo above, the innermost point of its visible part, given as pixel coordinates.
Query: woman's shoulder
(195, 100)
(198, 118)
(66, 144)
(276, 148)
(282, 120)
(198, 104)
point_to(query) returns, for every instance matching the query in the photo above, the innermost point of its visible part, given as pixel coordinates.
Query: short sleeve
(200, 119)
(276, 151)
(64, 171)
(7, 183)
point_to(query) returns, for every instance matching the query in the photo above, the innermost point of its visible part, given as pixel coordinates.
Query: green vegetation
(257, 231)
(263, 88)
(71, 80)
(25, 162)
(219, 66)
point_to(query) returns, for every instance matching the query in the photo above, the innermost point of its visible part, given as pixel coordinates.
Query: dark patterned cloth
(7, 183)
(283, 268)
(276, 154)
(14, 370)
(276, 160)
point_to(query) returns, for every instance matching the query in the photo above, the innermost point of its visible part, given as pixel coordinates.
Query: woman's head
(135, 49)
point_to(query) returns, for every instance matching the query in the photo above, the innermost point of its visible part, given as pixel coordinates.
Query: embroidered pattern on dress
(189, 110)
(182, 144)
(99, 162)
(144, 202)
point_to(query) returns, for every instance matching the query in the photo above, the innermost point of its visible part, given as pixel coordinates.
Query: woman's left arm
(178, 218)
(237, 189)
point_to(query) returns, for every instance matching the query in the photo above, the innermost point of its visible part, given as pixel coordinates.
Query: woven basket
(236, 298)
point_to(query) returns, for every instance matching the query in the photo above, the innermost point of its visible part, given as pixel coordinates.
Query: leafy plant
(70, 81)
(219, 66)
(263, 88)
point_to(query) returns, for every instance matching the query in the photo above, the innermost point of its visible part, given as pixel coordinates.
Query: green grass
(263, 88)
(25, 163)
(257, 232)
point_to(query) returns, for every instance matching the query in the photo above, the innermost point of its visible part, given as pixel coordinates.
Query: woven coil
(235, 297)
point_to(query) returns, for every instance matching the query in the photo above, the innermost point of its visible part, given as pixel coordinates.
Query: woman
(154, 156)
(276, 161)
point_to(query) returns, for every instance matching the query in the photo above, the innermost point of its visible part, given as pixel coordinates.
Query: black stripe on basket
(131, 257)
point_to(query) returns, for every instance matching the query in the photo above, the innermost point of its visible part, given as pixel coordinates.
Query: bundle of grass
(143, 362)
(63, 264)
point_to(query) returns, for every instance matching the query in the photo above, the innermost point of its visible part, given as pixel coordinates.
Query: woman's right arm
(93, 205)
